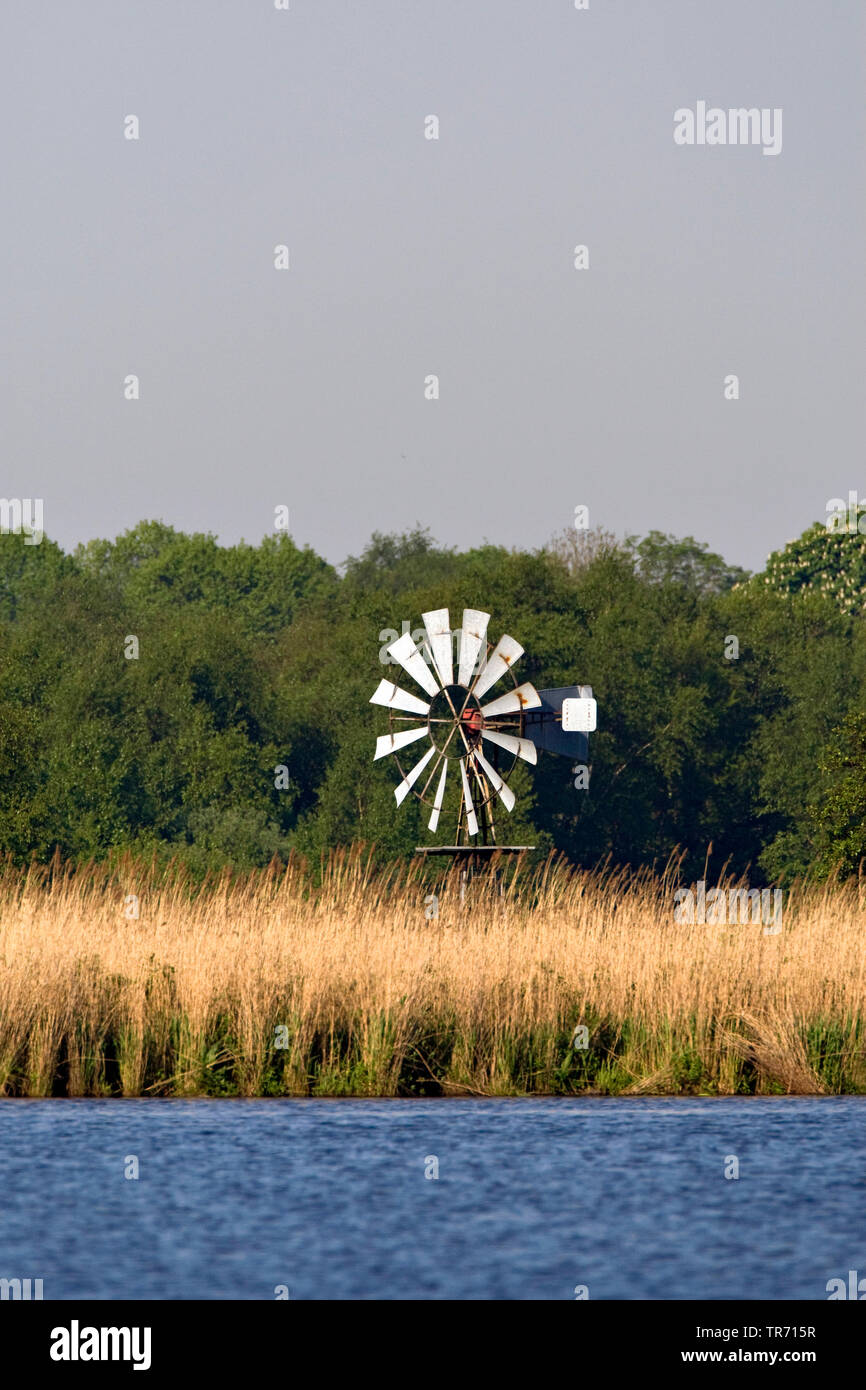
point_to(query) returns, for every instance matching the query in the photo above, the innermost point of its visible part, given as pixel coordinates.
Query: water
(533, 1197)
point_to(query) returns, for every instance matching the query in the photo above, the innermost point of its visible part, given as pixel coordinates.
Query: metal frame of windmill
(459, 720)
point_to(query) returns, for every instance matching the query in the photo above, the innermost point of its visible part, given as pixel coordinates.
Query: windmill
(467, 727)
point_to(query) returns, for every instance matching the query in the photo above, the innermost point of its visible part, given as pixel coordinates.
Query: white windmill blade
(440, 792)
(504, 655)
(389, 743)
(506, 793)
(473, 634)
(471, 819)
(392, 697)
(407, 654)
(411, 778)
(523, 747)
(438, 625)
(524, 697)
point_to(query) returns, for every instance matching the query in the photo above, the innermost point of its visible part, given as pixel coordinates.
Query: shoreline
(276, 983)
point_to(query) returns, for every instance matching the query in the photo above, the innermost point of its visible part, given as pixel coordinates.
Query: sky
(409, 257)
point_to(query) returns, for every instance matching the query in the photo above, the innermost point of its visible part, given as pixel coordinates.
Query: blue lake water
(533, 1197)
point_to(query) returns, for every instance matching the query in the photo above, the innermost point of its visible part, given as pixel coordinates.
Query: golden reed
(339, 980)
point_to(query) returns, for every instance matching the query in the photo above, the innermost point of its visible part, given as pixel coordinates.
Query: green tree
(839, 816)
(829, 562)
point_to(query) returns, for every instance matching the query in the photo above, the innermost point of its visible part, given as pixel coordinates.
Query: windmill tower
(470, 730)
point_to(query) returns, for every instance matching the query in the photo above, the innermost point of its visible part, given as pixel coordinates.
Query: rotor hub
(455, 720)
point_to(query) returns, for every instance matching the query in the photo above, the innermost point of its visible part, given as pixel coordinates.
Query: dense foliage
(252, 659)
(830, 560)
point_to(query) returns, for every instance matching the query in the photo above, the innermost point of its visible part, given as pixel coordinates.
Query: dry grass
(377, 999)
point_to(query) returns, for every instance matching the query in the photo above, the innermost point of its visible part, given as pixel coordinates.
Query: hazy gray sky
(411, 256)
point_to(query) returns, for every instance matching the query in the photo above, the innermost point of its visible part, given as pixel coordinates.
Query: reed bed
(336, 979)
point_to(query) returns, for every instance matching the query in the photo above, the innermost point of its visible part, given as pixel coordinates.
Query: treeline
(161, 693)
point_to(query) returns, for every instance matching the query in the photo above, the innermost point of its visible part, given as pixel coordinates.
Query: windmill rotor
(471, 736)
(464, 738)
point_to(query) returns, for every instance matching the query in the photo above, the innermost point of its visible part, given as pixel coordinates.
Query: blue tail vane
(544, 726)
